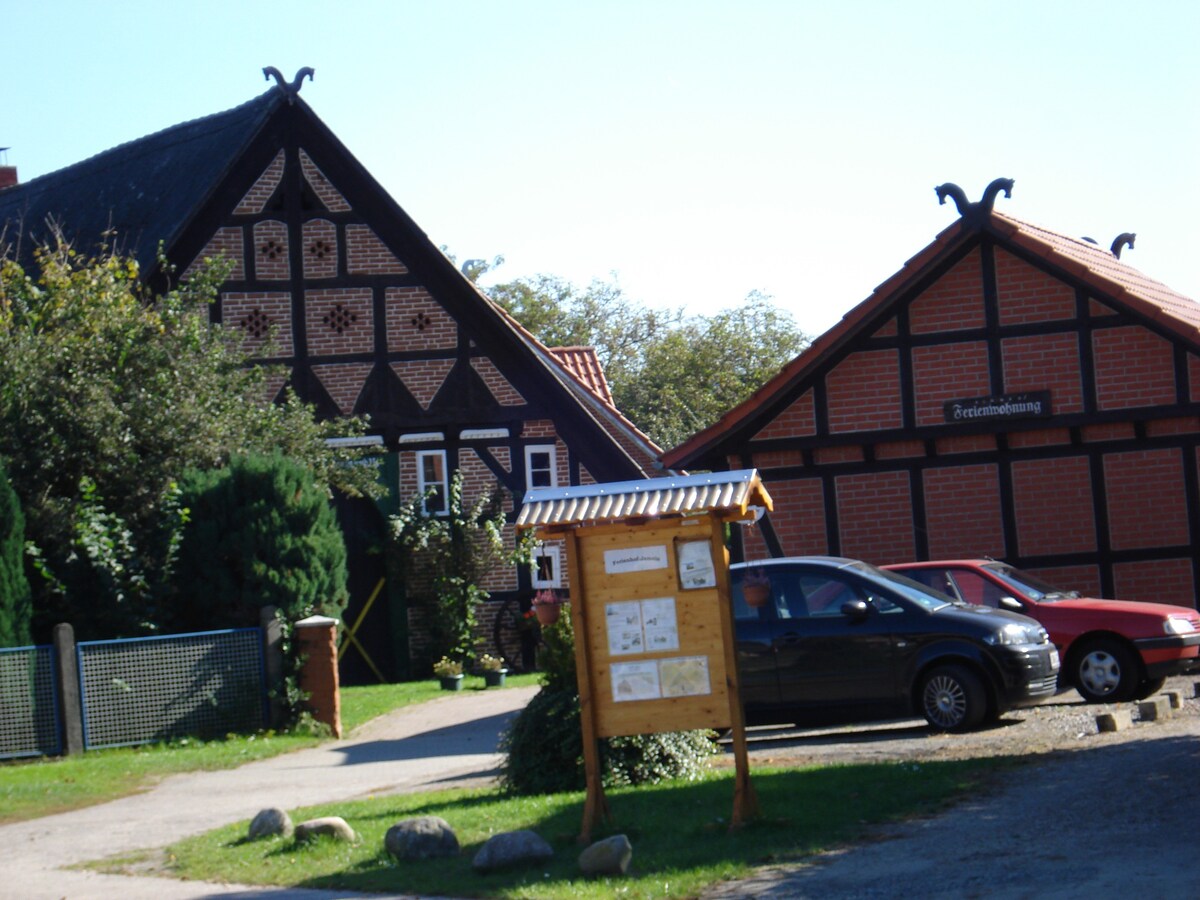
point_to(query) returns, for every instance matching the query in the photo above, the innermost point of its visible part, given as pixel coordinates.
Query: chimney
(8, 174)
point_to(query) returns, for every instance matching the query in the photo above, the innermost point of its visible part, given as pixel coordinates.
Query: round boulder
(610, 856)
(331, 826)
(423, 837)
(511, 849)
(270, 822)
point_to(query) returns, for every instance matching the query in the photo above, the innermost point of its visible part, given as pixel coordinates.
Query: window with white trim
(547, 566)
(541, 466)
(431, 476)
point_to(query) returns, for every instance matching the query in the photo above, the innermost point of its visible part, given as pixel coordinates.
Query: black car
(823, 639)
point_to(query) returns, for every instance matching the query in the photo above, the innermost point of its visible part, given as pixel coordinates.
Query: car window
(938, 579)
(976, 589)
(825, 594)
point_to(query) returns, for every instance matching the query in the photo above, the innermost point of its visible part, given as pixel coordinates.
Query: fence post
(316, 638)
(272, 637)
(70, 706)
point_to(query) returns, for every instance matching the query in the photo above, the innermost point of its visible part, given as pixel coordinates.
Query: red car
(1111, 649)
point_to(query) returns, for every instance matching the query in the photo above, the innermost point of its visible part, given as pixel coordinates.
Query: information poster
(696, 568)
(635, 681)
(641, 626)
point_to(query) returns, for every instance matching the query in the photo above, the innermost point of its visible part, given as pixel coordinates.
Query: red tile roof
(1095, 266)
(584, 364)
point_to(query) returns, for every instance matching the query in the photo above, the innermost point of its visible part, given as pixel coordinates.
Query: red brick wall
(888, 329)
(1133, 368)
(1053, 501)
(965, 443)
(863, 392)
(267, 311)
(875, 517)
(344, 382)
(226, 243)
(329, 196)
(900, 450)
(798, 517)
(367, 255)
(948, 372)
(953, 303)
(256, 198)
(320, 249)
(415, 321)
(1042, 437)
(1157, 581)
(962, 512)
(796, 420)
(271, 251)
(1045, 362)
(774, 459)
(1026, 294)
(340, 320)
(1193, 367)
(1107, 431)
(1146, 504)
(824, 456)
(423, 377)
(1182, 425)
(502, 390)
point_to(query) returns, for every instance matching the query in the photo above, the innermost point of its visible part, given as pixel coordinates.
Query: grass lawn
(679, 833)
(40, 787)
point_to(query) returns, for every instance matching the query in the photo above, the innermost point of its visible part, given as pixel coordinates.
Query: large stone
(424, 837)
(331, 826)
(610, 856)
(270, 822)
(1117, 720)
(511, 849)
(1156, 710)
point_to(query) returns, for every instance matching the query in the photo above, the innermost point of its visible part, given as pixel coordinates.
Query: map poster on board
(635, 559)
(684, 676)
(635, 681)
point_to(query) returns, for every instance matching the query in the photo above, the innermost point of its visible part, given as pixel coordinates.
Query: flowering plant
(546, 597)
(490, 663)
(447, 668)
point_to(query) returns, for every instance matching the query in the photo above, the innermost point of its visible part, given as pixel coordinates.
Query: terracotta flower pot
(547, 613)
(756, 594)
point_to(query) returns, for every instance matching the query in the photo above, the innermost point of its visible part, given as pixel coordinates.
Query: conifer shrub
(15, 605)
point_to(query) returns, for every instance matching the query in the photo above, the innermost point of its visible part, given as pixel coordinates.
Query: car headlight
(1015, 633)
(1177, 625)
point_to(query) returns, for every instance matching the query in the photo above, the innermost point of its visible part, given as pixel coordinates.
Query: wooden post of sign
(595, 804)
(745, 800)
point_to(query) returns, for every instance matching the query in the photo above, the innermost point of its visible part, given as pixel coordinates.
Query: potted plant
(493, 670)
(547, 606)
(756, 588)
(449, 672)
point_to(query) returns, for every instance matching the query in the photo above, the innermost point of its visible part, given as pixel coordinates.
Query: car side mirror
(1011, 603)
(855, 609)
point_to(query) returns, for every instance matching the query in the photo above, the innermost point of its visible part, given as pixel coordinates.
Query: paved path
(448, 741)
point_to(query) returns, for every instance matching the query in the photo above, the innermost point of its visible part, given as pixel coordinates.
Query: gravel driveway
(1104, 815)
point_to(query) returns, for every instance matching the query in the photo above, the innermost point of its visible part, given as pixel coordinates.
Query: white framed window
(431, 476)
(547, 566)
(541, 466)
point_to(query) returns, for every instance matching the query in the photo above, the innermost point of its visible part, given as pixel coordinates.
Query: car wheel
(1106, 672)
(953, 699)
(1148, 687)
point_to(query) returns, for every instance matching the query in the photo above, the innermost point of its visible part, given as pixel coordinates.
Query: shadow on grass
(678, 830)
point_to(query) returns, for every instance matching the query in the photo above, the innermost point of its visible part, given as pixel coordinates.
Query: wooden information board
(650, 610)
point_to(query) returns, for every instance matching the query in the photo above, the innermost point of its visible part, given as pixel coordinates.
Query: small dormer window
(541, 466)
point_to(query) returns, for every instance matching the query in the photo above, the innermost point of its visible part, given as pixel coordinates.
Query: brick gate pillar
(316, 638)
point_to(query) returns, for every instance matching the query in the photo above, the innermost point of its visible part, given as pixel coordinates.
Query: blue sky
(698, 150)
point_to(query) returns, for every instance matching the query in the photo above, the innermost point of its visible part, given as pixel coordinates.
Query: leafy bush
(15, 607)
(543, 749)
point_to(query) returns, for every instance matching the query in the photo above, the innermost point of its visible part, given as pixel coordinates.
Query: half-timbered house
(1010, 392)
(335, 283)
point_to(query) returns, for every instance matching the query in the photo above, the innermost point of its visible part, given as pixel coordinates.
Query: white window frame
(424, 485)
(531, 449)
(552, 553)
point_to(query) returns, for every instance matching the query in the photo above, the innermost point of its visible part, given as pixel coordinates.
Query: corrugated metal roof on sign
(682, 495)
